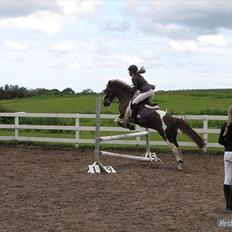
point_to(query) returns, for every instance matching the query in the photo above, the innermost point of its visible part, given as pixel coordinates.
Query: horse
(161, 121)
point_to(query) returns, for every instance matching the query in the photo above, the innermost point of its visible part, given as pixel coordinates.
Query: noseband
(109, 100)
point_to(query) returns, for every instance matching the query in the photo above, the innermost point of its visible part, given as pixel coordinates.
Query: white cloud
(121, 26)
(204, 41)
(183, 46)
(78, 7)
(43, 16)
(132, 59)
(213, 40)
(13, 57)
(14, 45)
(41, 21)
(67, 66)
(64, 47)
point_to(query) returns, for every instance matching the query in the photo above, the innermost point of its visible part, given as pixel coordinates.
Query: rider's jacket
(226, 140)
(140, 83)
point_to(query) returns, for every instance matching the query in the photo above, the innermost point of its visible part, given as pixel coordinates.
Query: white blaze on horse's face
(162, 114)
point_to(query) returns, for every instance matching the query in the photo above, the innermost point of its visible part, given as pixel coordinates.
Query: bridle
(109, 100)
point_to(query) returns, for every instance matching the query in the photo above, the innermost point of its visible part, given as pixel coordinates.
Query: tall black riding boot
(134, 109)
(227, 196)
(230, 198)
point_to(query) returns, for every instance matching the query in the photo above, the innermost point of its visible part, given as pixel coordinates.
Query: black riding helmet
(133, 68)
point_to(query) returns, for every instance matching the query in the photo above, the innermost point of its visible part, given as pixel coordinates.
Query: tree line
(15, 91)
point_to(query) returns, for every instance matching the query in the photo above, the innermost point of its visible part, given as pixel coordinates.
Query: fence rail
(77, 128)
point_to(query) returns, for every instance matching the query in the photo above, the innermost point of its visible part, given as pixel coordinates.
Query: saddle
(145, 108)
(144, 111)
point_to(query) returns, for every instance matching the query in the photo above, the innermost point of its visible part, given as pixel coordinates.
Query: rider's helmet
(133, 68)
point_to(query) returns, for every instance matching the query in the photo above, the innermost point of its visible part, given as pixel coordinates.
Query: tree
(55, 91)
(67, 91)
(87, 91)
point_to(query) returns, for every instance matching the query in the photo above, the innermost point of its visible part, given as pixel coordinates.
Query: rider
(139, 83)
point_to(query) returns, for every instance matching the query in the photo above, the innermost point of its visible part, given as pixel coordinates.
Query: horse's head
(110, 94)
(120, 90)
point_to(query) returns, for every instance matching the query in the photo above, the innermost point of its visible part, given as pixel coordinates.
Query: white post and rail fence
(16, 128)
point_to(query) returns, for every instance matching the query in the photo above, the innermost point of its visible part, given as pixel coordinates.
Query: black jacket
(141, 84)
(226, 141)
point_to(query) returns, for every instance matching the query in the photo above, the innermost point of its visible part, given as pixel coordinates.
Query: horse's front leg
(124, 123)
(127, 125)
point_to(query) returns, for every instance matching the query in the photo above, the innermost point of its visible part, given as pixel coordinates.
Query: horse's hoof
(131, 127)
(180, 165)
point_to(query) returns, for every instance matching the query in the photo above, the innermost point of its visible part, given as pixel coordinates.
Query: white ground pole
(97, 166)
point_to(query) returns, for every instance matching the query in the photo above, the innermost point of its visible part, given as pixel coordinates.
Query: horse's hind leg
(174, 146)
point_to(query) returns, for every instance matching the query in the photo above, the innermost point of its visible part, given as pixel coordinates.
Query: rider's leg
(134, 109)
(143, 96)
(137, 100)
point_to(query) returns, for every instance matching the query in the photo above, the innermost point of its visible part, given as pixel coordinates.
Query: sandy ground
(44, 189)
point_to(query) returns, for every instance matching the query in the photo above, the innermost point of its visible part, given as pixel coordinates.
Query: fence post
(147, 142)
(16, 126)
(137, 138)
(97, 138)
(205, 128)
(77, 124)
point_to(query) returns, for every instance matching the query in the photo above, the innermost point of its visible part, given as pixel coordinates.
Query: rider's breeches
(143, 96)
(228, 167)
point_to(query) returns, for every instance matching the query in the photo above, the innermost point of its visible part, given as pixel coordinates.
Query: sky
(83, 44)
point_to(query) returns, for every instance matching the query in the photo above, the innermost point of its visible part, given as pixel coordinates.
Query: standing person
(139, 83)
(225, 139)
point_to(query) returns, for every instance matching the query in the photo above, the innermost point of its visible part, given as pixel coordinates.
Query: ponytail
(141, 70)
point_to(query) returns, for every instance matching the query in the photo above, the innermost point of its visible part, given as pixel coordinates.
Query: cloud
(183, 46)
(64, 47)
(78, 7)
(211, 41)
(41, 21)
(180, 18)
(14, 45)
(42, 16)
(67, 66)
(121, 26)
(16, 8)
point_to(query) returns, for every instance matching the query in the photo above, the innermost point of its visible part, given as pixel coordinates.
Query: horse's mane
(120, 84)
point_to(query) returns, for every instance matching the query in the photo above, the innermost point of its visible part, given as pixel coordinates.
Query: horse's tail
(186, 129)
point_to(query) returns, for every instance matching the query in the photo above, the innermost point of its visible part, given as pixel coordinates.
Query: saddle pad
(145, 113)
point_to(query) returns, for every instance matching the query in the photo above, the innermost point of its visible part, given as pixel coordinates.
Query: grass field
(212, 102)
(176, 102)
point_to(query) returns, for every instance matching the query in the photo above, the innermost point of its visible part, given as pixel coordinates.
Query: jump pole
(114, 137)
(97, 166)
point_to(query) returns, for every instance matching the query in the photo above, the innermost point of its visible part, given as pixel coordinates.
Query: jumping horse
(164, 123)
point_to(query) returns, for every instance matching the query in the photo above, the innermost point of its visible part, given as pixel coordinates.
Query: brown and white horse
(165, 124)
